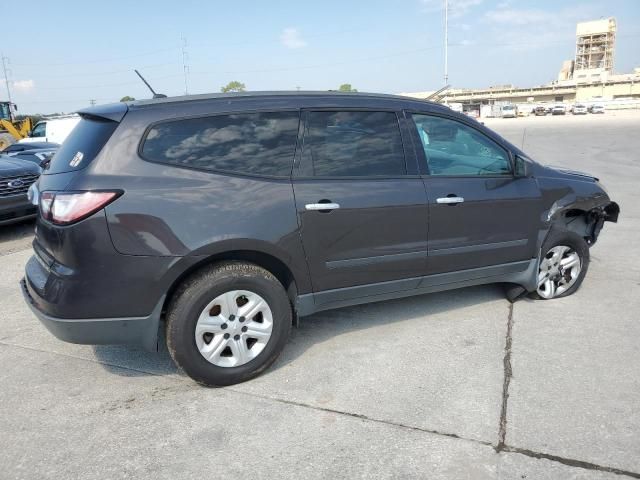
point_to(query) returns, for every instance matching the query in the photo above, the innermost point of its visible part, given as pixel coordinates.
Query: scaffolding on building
(595, 45)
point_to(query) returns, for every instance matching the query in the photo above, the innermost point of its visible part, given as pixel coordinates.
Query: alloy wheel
(559, 270)
(234, 328)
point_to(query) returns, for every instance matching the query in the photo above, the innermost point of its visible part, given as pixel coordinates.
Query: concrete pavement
(411, 388)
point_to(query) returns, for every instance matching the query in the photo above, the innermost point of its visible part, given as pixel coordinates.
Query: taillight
(65, 208)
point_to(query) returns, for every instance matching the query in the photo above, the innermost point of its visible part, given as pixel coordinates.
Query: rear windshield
(82, 145)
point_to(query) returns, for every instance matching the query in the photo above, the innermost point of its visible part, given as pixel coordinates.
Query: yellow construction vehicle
(11, 129)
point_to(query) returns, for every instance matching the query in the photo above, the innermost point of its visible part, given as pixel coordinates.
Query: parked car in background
(295, 203)
(509, 111)
(52, 130)
(21, 147)
(558, 110)
(579, 109)
(456, 107)
(39, 156)
(540, 111)
(16, 176)
(596, 108)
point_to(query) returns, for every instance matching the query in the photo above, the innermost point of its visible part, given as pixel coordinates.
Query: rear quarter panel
(169, 211)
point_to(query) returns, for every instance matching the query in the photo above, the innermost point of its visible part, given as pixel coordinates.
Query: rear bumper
(100, 331)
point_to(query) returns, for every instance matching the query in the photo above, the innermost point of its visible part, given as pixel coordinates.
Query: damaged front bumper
(596, 218)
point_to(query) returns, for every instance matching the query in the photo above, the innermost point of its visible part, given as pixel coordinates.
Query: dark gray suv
(222, 217)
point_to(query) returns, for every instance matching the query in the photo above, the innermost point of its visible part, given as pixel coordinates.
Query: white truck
(53, 130)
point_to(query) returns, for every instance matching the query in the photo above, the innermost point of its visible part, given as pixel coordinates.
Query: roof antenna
(155, 95)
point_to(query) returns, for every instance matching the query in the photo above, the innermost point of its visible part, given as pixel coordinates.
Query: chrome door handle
(322, 206)
(450, 200)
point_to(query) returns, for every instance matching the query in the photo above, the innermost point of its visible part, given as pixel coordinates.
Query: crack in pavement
(500, 448)
(362, 417)
(508, 373)
(569, 461)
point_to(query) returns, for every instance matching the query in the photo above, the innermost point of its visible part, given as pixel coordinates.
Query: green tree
(127, 98)
(233, 86)
(346, 87)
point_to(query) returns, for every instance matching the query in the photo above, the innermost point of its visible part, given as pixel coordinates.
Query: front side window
(39, 130)
(246, 143)
(350, 143)
(453, 148)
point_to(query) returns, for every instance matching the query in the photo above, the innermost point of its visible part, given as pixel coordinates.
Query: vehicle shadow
(314, 329)
(323, 326)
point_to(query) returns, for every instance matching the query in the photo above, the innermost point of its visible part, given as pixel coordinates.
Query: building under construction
(587, 78)
(595, 48)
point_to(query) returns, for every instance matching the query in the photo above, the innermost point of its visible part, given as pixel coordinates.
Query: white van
(52, 130)
(509, 111)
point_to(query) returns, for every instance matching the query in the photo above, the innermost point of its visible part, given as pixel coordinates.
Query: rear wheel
(228, 323)
(6, 139)
(563, 265)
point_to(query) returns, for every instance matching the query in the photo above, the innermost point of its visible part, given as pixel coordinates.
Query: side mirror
(521, 167)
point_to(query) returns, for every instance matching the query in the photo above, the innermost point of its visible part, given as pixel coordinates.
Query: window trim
(218, 171)
(423, 162)
(302, 136)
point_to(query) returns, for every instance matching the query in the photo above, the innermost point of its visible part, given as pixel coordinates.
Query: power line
(106, 85)
(87, 62)
(110, 72)
(324, 65)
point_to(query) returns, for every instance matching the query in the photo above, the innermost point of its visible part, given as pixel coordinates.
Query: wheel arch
(276, 266)
(585, 222)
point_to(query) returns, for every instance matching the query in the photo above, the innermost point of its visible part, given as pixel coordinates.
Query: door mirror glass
(520, 167)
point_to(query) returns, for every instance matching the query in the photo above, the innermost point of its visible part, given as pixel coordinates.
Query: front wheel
(563, 265)
(228, 323)
(6, 139)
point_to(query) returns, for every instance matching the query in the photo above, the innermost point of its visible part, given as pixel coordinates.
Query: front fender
(576, 203)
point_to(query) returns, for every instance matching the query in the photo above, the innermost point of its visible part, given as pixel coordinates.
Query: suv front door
(480, 213)
(361, 205)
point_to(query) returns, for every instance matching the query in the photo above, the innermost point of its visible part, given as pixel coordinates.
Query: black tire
(193, 296)
(6, 139)
(559, 237)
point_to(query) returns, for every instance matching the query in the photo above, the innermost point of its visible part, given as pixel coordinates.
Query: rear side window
(348, 143)
(245, 143)
(82, 145)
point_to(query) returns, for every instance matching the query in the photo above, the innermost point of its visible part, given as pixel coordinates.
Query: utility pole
(5, 71)
(446, 42)
(92, 102)
(185, 67)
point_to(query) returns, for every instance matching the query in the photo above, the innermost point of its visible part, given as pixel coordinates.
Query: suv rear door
(480, 213)
(361, 203)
